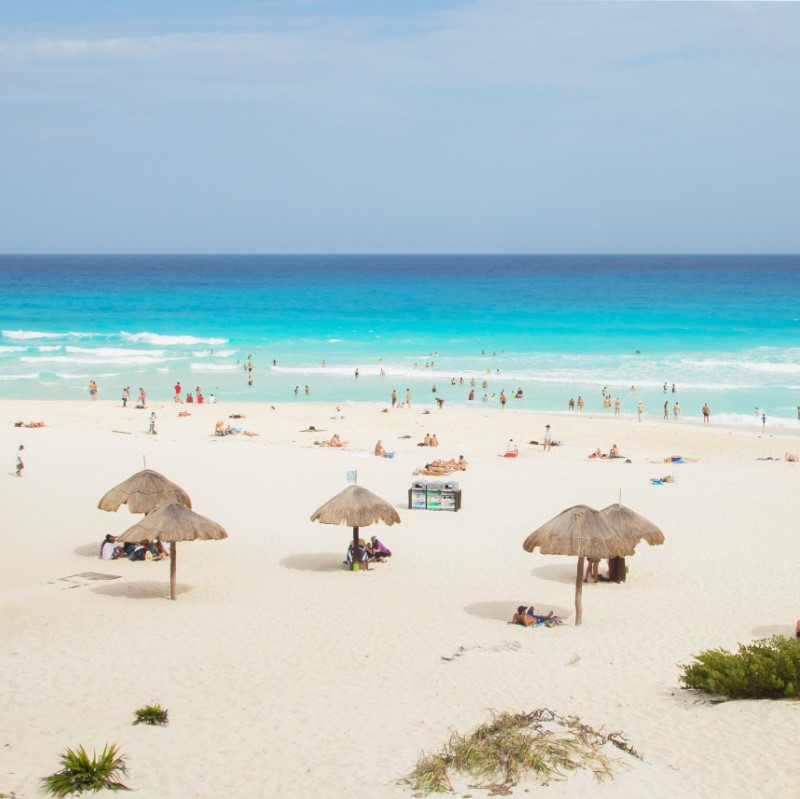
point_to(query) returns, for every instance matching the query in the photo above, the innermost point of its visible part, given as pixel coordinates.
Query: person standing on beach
(639, 410)
(706, 414)
(616, 406)
(152, 429)
(308, 391)
(126, 395)
(408, 397)
(666, 409)
(548, 438)
(503, 399)
(141, 400)
(178, 391)
(93, 390)
(676, 411)
(580, 402)
(20, 464)
(394, 397)
(763, 421)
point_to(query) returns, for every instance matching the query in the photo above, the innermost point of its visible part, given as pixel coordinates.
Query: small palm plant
(151, 714)
(81, 773)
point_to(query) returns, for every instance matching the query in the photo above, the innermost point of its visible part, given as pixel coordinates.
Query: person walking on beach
(141, 400)
(394, 397)
(126, 395)
(408, 397)
(548, 438)
(93, 390)
(639, 410)
(616, 406)
(580, 402)
(503, 399)
(706, 414)
(152, 429)
(178, 391)
(20, 464)
(666, 410)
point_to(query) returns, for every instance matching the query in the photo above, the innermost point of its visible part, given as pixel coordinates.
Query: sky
(421, 126)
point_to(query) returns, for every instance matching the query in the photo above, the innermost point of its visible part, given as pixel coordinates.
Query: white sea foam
(215, 354)
(49, 348)
(113, 352)
(155, 338)
(13, 349)
(213, 367)
(127, 360)
(31, 376)
(23, 335)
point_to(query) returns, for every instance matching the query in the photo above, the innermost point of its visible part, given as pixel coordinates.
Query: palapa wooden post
(579, 593)
(356, 557)
(173, 578)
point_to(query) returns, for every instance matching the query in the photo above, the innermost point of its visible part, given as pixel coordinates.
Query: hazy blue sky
(413, 126)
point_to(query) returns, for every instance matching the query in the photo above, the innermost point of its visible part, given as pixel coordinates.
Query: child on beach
(20, 464)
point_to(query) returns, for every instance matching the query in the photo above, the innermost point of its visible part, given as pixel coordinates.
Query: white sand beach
(287, 676)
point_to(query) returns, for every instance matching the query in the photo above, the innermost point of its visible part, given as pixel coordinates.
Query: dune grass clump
(151, 714)
(515, 746)
(81, 773)
(765, 669)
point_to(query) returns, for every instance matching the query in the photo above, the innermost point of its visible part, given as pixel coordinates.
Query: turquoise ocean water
(724, 329)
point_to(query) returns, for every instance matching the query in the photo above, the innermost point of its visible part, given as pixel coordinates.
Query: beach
(286, 675)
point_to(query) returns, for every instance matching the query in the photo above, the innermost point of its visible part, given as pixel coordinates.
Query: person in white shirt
(109, 549)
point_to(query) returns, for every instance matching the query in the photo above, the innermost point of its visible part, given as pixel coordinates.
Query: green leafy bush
(765, 669)
(151, 714)
(81, 773)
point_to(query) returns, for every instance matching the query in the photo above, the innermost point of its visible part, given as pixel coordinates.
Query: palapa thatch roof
(356, 507)
(633, 526)
(581, 531)
(144, 492)
(173, 522)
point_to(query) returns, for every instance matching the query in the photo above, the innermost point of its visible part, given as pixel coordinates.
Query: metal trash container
(433, 495)
(416, 495)
(451, 496)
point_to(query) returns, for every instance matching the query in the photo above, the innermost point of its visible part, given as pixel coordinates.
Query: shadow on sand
(504, 610)
(557, 573)
(146, 590)
(88, 551)
(314, 562)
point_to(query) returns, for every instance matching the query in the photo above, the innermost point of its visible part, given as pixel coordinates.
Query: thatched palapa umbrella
(143, 492)
(582, 531)
(632, 526)
(173, 522)
(356, 507)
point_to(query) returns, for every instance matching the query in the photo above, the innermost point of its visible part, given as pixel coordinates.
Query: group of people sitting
(143, 550)
(440, 467)
(373, 552)
(334, 441)
(429, 441)
(527, 617)
(612, 453)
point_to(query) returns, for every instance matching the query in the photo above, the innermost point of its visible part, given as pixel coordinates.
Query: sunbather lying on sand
(29, 424)
(790, 456)
(527, 617)
(440, 467)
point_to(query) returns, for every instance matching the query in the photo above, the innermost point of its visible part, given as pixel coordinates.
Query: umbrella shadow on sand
(557, 573)
(314, 562)
(503, 611)
(149, 589)
(88, 551)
